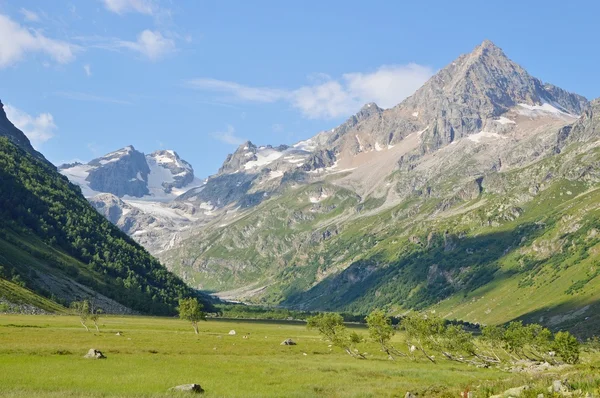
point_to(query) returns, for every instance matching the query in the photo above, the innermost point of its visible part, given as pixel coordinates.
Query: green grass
(43, 356)
(20, 295)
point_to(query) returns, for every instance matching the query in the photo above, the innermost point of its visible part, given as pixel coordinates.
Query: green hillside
(55, 244)
(517, 244)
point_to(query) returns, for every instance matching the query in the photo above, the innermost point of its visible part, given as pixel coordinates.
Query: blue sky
(83, 78)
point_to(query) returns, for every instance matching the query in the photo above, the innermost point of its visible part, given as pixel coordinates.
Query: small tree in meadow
(191, 310)
(331, 327)
(95, 314)
(82, 309)
(567, 347)
(381, 332)
(423, 331)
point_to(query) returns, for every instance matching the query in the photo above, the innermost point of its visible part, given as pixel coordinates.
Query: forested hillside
(54, 242)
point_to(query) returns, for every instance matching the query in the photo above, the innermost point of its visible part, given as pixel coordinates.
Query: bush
(567, 347)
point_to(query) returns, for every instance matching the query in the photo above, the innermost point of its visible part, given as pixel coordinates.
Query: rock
(409, 395)
(558, 386)
(515, 392)
(232, 332)
(118, 334)
(94, 354)
(193, 388)
(288, 342)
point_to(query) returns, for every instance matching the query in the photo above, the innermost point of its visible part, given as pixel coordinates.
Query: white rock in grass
(194, 388)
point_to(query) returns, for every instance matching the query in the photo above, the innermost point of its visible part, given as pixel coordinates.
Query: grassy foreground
(43, 356)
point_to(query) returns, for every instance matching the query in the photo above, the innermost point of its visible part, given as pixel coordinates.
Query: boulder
(288, 342)
(515, 392)
(559, 386)
(232, 332)
(94, 354)
(193, 388)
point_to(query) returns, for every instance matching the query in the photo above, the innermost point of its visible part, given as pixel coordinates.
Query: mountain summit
(481, 85)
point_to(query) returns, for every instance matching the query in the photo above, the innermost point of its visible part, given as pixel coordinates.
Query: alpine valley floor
(42, 356)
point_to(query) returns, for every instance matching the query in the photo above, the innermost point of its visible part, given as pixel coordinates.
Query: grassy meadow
(42, 356)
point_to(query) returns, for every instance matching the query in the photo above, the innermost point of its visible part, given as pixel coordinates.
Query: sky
(84, 78)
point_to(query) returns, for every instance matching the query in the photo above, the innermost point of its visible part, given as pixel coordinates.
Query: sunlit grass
(43, 356)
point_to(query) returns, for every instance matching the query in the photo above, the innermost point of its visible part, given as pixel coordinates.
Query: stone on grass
(288, 342)
(409, 395)
(193, 388)
(232, 332)
(94, 354)
(515, 392)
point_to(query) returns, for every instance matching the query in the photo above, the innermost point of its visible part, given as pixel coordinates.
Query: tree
(191, 310)
(567, 347)
(95, 315)
(381, 332)
(82, 308)
(423, 331)
(331, 327)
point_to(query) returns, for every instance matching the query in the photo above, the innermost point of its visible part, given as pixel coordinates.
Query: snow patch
(545, 108)
(504, 120)
(275, 174)
(360, 147)
(264, 157)
(484, 134)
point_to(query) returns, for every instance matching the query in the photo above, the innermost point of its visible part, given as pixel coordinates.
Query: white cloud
(87, 69)
(150, 44)
(79, 96)
(124, 6)
(29, 15)
(239, 91)
(38, 129)
(330, 98)
(16, 41)
(228, 136)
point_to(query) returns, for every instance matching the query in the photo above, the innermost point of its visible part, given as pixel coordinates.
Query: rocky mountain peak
(179, 172)
(474, 88)
(245, 153)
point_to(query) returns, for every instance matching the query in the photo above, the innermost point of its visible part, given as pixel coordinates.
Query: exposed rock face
(244, 153)
(157, 226)
(160, 176)
(181, 171)
(124, 172)
(136, 192)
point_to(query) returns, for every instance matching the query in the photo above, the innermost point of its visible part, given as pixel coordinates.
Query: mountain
(136, 193)
(54, 244)
(8, 130)
(476, 196)
(160, 176)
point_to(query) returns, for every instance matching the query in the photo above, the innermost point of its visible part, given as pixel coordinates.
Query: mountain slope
(8, 130)
(56, 244)
(454, 192)
(136, 192)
